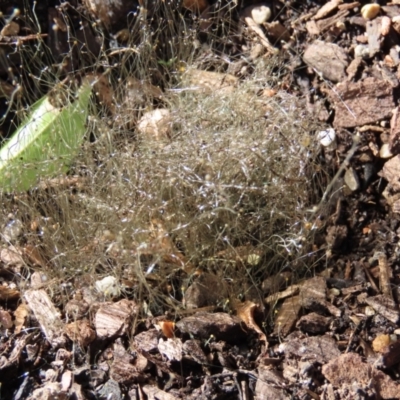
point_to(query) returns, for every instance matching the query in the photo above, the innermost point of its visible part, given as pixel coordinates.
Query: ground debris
(315, 348)
(362, 103)
(203, 325)
(327, 59)
(112, 319)
(348, 371)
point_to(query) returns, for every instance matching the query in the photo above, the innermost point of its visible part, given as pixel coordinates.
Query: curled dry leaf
(245, 312)
(167, 328)
(20, 315)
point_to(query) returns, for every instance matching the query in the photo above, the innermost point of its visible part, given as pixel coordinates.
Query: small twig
(350, 154)
(8, 40)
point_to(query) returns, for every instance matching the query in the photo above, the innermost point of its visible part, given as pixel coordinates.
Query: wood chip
(328, 59)
(391, 172)
(327, 8)
(171, 348)
(384, 306)
(348, 371)
(287, 316)
(112, 319)
(385, 273)
(315, 348)
(313, 323)
(375, 37)
(220, 325)
(45, 312)
(270, 385)
(362, 103)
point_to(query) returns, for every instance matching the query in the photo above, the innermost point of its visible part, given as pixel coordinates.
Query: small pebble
(361, 51)
(370, 11)
(369, 311)
(108, 286)
(261, 13)
(384, 151)
(351, 179)
(326, 138)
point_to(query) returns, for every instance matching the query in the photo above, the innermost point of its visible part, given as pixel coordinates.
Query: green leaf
(45, 143)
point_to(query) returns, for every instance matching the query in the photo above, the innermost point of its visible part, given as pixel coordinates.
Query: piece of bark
(391, 172)
(315, 348)
(313, 323)
(335, 236)
(327, 8)
(12, 361)
(328, 59)
(385, 273)
(394, 138)
(349, 371)
(318, 27)
(154, 393)
(289, 292)
(287, 316)
(193, 350)
(46, 313)
(384, 306)
(112, 319)
(221, 325)
(147, 340)
(390, 355)
(375, 38)
(361, 103)
(353, 68)
(80, 331)
(171, 348)
(270, 384)
(349, 6)
(123, 371)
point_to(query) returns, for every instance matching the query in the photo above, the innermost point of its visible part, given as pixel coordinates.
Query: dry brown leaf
(81, 332)
(195, 5)
(167, 328)
(20, 315)
(245, 312)
(7, 293)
